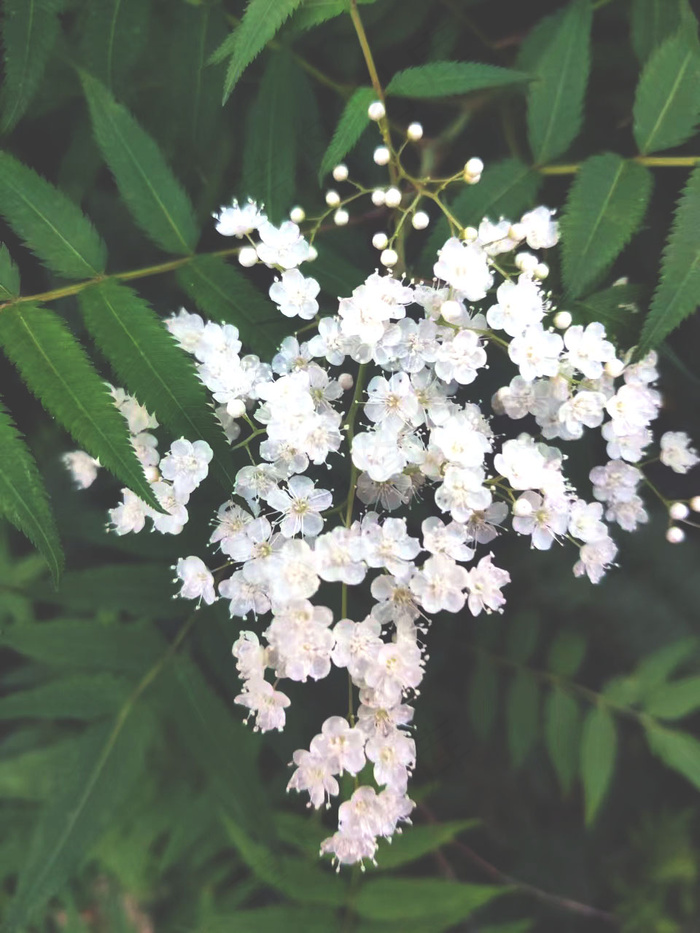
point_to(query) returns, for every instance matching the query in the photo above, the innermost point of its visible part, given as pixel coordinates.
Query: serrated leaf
(483, 697)
(49, 222)
(560, 70)
(677, 750)
(566, 653)
(617, 307)
(522, 716)
(154, 196)
(23, 498)
(674, 700)
(261, 22)
(606, 204)
(655, 668)
(652, 21)
(678, 291)
(336, 275)
(115, 33)
(109, 760)
(272, 137)
(666, 103)
(29, 31)
(417, 841)
(598, 751)
(352, 124)
(561, 729)
(521, 636)
(9, 276)
(315, 12)
(222, 293)
(441, 79)
(57, 370)
(80, 696)
(151, 366)
(416, 899)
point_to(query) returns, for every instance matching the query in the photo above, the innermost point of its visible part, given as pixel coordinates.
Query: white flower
(461, 357)
(522, 463)
(460, 441)
(394, 756)
(585, 408)
(341, 745)
(266, 703)
(616, 482)
(440, 584)
(282, 246)
(130, 515)
(301, 506)
(588, 349)
(238, 221)
(295, 295)
(536, 351)
(378, 453)
(339, 556)
(145, 445)
(548, 518)
(292, 572)
(175, 517)
(187, 329)
(393, 403)
(231, 520)
(83, 468)
(484, 584)
(389, 545)
(627, 514)
(136, 415)
(356, 644)
(676, 451)
(540, 231)
(314, 775)
(585, 521)
(395, 668)
(245, 596)
(250, 655)
(197, 580)
(389, 494)
(186, 465)
(519, 306)
(464, 267)
(594, 559)
(439, 538)
(462, 492)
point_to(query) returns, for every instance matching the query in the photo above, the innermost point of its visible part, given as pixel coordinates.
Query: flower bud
(675, 535)
(340, 172)
(420, 220)
(472, 179)
(695, 503)
(562, 320)
(526, 262)
(614, 368)
(517, 232)
(380, 240)
(345, 381)
(414, 132)
(382, 155)
(248, 256)
(392, 197)
(541, 271)
(313, 253)
(236, 408)
(389, 257)
(341, 217)
(474, 167)
(297, 215)
(332, 198)
(678, 511)
(469, 234)
(451, 311)
(376, 111)
(378, 197)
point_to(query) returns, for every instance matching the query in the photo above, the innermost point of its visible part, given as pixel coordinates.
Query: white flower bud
(297, 215)
(380, 240)
(392, 197)
(695, 503)
(522, 508)
(472, 179)
(341, 217)
(332, 198)
(614, 368)
(345, 381)
(526, 262)
(376, 111)
(389, 257)
(451, 311)
(562, 319)
(675, 535)
(382, 155)
(469, 234)
(340, 172)
(474, 167)
(541, 270)
(517, 232)
(313, 253)
(378, 197)
(415, 132)
(236, 408)
(678, 511)
(420, 220)
(248, 256)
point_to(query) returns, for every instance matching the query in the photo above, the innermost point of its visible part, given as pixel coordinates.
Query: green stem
(352, 414)
(651, 161)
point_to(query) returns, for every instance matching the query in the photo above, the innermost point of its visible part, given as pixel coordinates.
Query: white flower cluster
(413, 431)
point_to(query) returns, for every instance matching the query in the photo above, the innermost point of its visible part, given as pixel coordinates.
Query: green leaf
(521, 637)
(522, 713)
(352, 124)
(109, 761)
(677, 750)
(115, 33)
(289, 918)
(222, 293)
(676, 295)
(561, 729)
(598, 750)
(23, 498)
(272, 136)
(441, 79)
(666, 103)
(674, 700)
(336, 275)
(34, 774)
(616, 307)
(151, 366)
(416, 899)
(154, 196)
(566, 653)
(417, 841)
(29, 31)
(560, 69)
(606, 204)
(483, 697)
(49, 223)
(9, 276)
(261, 22)
(57, 370)
(655, 668)
(80, 696)
(315, 12)
(652, 21)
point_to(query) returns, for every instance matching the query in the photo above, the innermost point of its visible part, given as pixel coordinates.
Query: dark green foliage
(9, 276)
(598, 752)
(352, 124)
(441, 79)
(115, 34)
(417, 899)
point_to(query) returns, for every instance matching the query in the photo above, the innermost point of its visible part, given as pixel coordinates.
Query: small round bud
(516, 232)
(341, 217)
(376, 111)
(236, 408)
(469, 234)
(614, 368)
(474, 167)
(695, 503)
(248, 256)
(313, 253)
(562, 320)
(392, 198)
(675, 535)
(345, 381)
(526, 262)
(340, 172)
(678, 511)
(382, 155)
(522, 508)
(415, 132)
(297, 215)
(378, 197)
(541, 271)
(332, 198)
(389, 257)
(420, 220)
(380, 240)
(472, 179)
(451, 311)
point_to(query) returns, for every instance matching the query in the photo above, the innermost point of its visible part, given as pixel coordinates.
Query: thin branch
(651, 161)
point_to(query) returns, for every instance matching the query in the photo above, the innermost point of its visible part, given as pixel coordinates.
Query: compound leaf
(440, 79)
(598, 750)
(352, 124)
(674, 700)
(114, 36)
(9, 276)
(677, 750)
